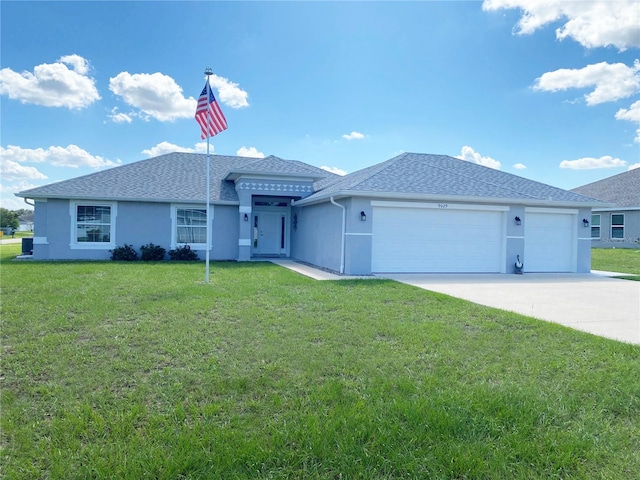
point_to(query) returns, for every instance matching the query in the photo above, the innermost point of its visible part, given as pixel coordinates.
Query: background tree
(23, 211)
(9, 218)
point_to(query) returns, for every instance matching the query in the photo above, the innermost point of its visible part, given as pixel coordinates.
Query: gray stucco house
(617, 226)
(412, 213)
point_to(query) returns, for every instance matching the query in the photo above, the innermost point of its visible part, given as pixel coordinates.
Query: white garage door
(549, 242)
(440, 238)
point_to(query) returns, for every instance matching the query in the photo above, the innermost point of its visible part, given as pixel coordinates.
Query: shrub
(152, 253)
(183, 253)
(125, 253)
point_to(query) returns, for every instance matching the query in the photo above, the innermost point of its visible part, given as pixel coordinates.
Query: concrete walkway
(309, 271)
(4, 240)
(594, 303)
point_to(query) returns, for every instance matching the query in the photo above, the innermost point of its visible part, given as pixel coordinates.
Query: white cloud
(633, 115)
(202, 147)
(353, 136)
(166, 147)
(69, 156)
(52, 84)
(633, 166)
(159, 96)
(589, 163)
(80, 65)
(12, 170)
(468, 154)
(18, 186)
(249, 152)
(592, 24)
(13, 203)
(611, 81)
(336, 170)
(229, 93)
(519, 166)
(118, 117)
(156, 95)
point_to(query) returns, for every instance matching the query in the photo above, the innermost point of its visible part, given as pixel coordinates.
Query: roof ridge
(300, 164)
(351, 180)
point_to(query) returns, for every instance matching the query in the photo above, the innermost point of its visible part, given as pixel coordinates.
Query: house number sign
(443, 205)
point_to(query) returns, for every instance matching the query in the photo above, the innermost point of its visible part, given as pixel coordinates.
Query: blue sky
(546, 90)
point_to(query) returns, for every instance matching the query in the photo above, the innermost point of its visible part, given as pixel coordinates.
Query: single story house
(412, 213)
(617, 226)
(25, 222)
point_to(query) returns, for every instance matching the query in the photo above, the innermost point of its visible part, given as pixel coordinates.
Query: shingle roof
(440, 175)
(179, 177)
(176, 177)
(622, 189)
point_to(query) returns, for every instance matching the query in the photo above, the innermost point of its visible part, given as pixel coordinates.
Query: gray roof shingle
(622, 189)
(179, 177)
(174, 177)
(441, 175)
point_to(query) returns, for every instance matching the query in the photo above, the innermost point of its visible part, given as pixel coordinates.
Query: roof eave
(450, 198)
(235, 175)
(124, 199)
(613, 208)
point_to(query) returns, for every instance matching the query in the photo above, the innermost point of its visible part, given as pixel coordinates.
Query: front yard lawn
(121, 370)
(621, 260)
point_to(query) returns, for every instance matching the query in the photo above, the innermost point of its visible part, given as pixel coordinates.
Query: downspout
(344, 227)
(26, 200)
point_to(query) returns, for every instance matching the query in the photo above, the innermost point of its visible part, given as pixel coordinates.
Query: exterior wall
(40, 241)
(631, 229)
(244, 228)
(136, 224)
(358, 238)
(515, 237)
(317, 236)
(315, 232)
(225, 233)
(583, 254)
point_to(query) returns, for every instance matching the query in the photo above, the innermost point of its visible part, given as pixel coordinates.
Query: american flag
(208, 114)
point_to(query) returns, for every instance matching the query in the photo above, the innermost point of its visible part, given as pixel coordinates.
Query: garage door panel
(549, 242)
(430, 240)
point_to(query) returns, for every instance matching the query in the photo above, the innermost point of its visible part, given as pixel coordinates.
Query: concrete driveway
(597, 304)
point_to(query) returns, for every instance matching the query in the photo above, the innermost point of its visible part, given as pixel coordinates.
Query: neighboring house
(412, 213)
(619, 225)
(25, 223)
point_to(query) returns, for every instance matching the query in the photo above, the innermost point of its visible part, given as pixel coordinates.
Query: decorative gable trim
(274, 187)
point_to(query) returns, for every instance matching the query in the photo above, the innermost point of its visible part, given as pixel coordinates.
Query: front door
(268, 233)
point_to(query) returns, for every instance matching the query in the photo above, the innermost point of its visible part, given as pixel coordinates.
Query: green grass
(17, 235)
(621, 260)
(118, 370)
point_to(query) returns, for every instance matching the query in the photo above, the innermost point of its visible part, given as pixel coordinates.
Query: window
(92, 225)
(191, 225)
(617, 226)
(595, 226)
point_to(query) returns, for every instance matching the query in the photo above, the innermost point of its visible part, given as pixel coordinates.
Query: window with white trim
(595, 226)
(93, 225)
(617, 226)
(189, 226)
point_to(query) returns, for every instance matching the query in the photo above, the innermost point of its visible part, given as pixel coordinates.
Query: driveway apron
(600, 305)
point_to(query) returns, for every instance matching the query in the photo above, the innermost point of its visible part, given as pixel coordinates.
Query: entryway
(270, 236)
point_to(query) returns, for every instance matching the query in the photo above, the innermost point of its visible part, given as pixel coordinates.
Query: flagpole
(208, 72)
